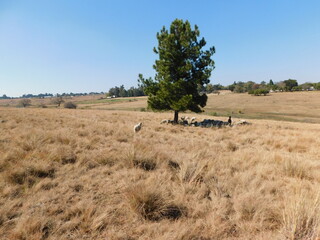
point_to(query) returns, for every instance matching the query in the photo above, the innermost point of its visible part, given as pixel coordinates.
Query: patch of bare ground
(84, 174)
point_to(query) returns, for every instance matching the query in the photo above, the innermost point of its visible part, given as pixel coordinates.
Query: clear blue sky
(90, 45)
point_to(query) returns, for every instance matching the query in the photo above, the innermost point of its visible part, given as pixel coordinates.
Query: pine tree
(182, 68)
(271, 82)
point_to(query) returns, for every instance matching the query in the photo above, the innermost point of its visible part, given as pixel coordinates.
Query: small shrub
(70, 105)
(58, 101)
(24, 103)
(213, 114)
(43, 106)
(259, 92)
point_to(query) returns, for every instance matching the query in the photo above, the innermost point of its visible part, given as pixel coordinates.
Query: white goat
(164, 121)
(185, 118)
(137, 127)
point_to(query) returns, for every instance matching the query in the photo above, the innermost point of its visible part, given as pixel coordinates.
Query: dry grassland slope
(84, 174)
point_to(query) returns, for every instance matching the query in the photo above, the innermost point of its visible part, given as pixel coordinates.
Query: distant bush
(57, 100)
(70, 105)
(43, 105)
(259, 92)
(297, 88)
(213, 114)
(24, 102)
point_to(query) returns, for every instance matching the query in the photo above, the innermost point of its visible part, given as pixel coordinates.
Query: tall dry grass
(84, 174)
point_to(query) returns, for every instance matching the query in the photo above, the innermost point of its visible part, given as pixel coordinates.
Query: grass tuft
(152, 206)
(174, 165)
(29, 175)
(301, 217)
(145, 164)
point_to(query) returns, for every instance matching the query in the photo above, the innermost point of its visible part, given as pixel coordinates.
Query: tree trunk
(176, 114)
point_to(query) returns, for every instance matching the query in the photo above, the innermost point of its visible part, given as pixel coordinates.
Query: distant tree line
(261, 88)
(122, 92)
(41, 95)
(78, 94)
(237, 87)
(4, 96)
(50, 95)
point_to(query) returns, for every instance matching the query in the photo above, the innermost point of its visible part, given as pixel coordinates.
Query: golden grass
(290, 106)
(84, 174)
(283, 106)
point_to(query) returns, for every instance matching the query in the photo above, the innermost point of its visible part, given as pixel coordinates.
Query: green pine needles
(181, 69)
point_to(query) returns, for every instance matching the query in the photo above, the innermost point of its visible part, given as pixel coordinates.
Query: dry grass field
(84, 174)
(284, 106)
(288, 106)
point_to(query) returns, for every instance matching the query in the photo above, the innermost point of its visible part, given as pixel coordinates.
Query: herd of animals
(186, 121)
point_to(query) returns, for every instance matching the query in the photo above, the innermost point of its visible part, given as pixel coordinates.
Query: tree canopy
(181, 70)
(290, 84)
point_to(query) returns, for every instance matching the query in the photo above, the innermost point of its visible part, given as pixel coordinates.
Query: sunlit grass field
(287, 106)
(85, 174)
